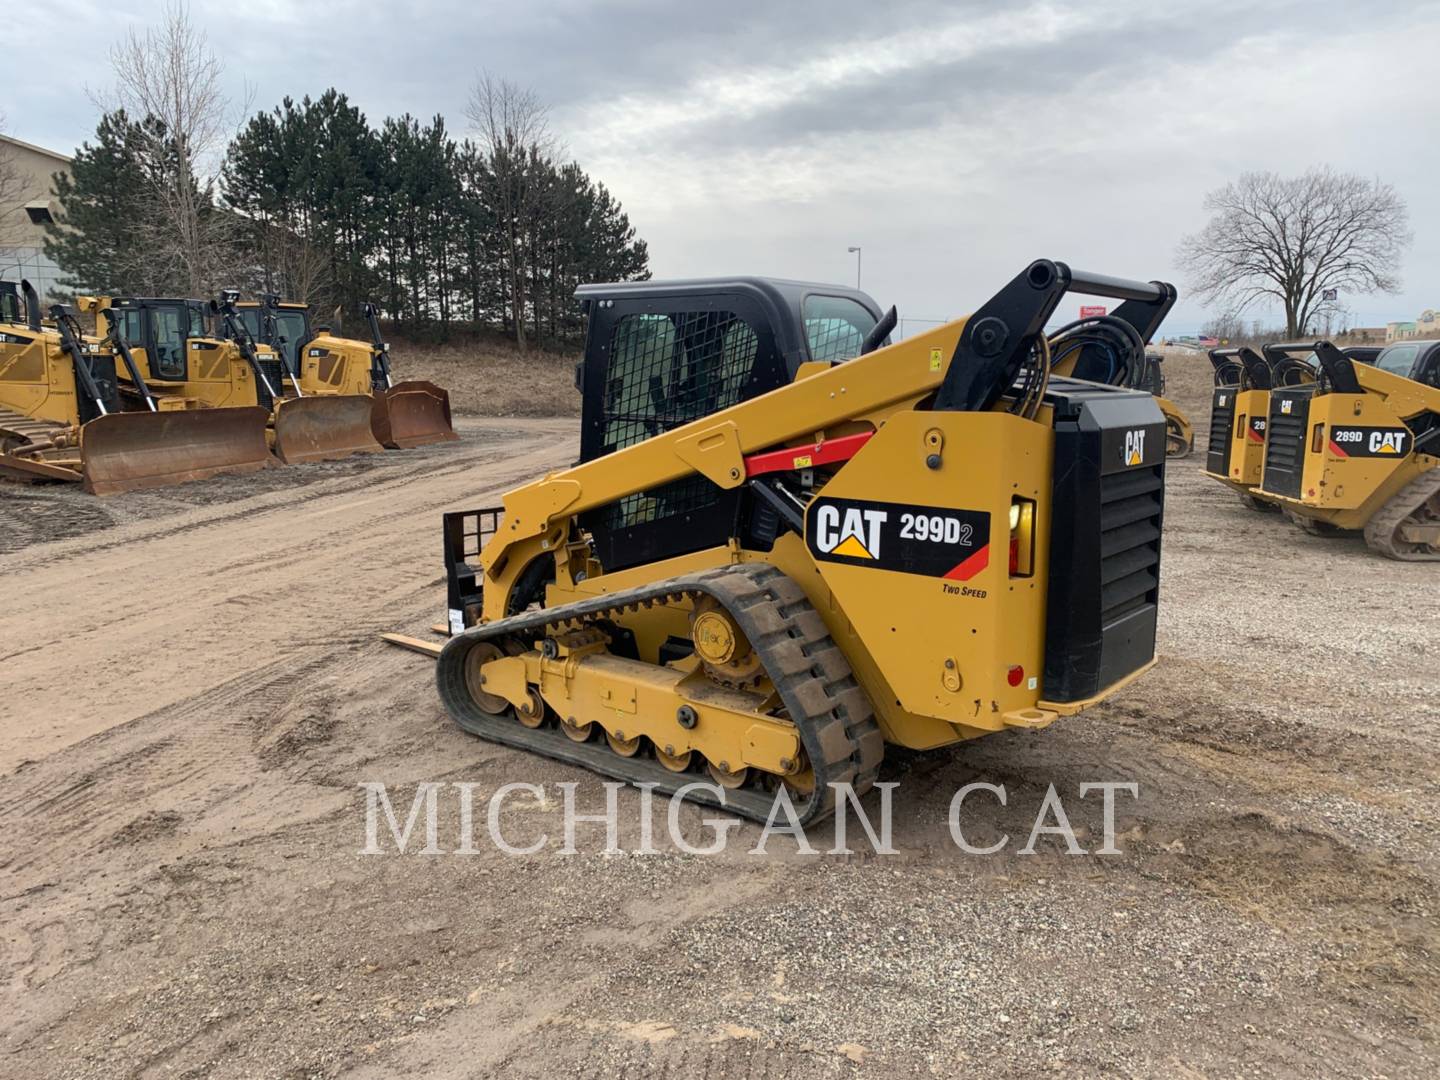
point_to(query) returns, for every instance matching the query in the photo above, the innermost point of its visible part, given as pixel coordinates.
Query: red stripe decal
(1336, 450)
(1255, 435)
(803, 457)
(972, 565)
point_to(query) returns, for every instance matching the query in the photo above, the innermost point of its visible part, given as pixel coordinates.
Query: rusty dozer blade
(131, 450)
(323, 428)
(413, 413)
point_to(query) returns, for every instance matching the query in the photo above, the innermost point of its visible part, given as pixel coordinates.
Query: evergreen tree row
(323, 207)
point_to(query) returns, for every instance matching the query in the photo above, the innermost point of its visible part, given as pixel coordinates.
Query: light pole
(856, 252)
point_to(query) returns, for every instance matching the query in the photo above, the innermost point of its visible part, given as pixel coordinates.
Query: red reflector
(1016, 675)
(1014, 556)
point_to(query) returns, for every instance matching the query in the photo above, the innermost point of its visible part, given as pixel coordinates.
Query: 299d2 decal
(929, 541)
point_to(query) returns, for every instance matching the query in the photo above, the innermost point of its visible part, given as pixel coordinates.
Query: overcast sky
(954, 142)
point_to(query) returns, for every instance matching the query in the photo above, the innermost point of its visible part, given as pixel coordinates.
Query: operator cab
(660, 354)
(162, 327)
(285, 327)
(10, 308)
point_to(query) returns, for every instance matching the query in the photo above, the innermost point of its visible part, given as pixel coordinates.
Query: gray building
(27, 173)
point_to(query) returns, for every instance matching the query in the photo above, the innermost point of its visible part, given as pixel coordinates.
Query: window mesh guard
(665, 371)
(833, 339)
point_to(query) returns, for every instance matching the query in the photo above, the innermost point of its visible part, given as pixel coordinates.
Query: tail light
(1317, 439)
(1022, 537)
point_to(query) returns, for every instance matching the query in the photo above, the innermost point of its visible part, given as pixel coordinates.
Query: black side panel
(1106, 518)
(1285, 440)
(102, 371)
(1222, 425)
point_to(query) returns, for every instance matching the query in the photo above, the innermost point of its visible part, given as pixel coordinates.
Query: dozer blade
(127, 451)
(323, 428)
(410, 414)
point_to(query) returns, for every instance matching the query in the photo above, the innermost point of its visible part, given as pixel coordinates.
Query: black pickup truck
(1418, 360)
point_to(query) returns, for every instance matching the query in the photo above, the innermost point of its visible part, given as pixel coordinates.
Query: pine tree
(98, 239)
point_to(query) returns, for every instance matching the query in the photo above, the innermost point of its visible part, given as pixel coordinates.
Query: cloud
(953, 141)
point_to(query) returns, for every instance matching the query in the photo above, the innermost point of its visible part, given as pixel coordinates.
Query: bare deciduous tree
(1292, 239)
(12, 194)
(170, 74)
(513, 126)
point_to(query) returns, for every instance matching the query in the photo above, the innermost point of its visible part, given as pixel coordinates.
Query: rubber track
(827, 706)
(1381, 530)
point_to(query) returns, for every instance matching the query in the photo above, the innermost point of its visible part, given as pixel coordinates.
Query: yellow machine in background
(1358, 449)
(403, 415)
(1239, 416)
(64, 416)
(789, 542)
(170, 343)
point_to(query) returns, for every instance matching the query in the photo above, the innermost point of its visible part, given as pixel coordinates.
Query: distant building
(23, 220)
(1426, 326)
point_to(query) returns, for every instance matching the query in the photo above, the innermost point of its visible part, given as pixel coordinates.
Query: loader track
(1417, 502)
(829, 709)
(31, 430)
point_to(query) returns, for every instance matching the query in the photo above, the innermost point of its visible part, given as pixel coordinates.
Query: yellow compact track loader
(402, 415)
(1239, 415)
(788, 542)
(1102, 348)
(64, 417)
(1358, 449)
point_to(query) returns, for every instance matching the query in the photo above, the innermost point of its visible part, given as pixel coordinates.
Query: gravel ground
(182, 891)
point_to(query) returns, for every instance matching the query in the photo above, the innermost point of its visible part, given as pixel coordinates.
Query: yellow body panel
(1247, 447)
(37, 379)
(1347, 487)
(935, 657)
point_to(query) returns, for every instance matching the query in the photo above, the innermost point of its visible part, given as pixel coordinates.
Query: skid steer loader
(1358, 449)
(402, 415)
(772, 560)
(1110, 350)
(64, 417)
(1239, 416)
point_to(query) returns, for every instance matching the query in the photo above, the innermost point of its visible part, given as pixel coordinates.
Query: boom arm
(999, 336)
(379, 353)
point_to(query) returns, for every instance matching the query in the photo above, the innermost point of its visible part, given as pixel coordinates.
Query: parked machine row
(1338, 440)
(170, 389)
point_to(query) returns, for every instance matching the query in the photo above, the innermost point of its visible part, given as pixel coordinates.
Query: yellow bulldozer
(789, 542)
(205, 357)
(1358, 449)
(402, 415)
(1111, 349)
(65, 417)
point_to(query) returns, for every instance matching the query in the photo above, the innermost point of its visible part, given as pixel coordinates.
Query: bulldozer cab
(161, 329)
(659, 355)
(10, 303)
(284, 327)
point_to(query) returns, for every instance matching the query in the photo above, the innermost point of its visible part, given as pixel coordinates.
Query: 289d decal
(928, 540)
